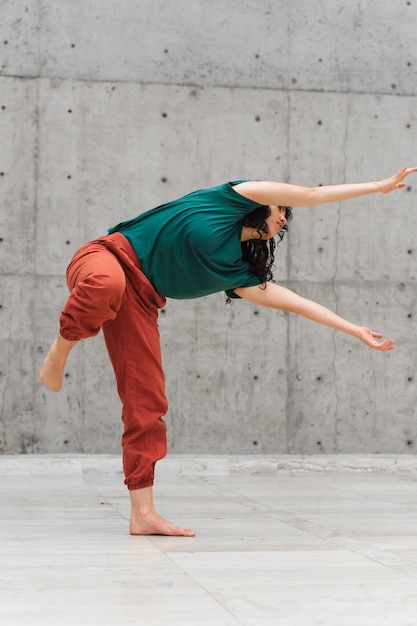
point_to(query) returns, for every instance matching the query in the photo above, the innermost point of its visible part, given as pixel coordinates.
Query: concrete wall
(109, 108)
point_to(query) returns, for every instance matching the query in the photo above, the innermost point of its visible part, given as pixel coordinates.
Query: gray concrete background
(109, 108)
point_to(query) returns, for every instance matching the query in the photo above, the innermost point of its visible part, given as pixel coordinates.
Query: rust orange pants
(109, 291)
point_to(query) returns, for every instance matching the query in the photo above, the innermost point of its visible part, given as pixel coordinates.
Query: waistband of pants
(126, 246)
(123, 250)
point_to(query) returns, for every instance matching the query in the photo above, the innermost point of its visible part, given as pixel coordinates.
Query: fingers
(405, 171)
(384, 346)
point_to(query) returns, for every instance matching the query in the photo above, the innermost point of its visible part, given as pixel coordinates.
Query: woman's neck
(247, 233)
(251, 233)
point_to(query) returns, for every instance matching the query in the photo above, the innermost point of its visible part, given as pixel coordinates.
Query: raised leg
(51, 373)
(97, 284)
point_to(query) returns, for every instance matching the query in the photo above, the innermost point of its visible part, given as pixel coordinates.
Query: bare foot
(144, 520)
(154, 524)
(51, 373)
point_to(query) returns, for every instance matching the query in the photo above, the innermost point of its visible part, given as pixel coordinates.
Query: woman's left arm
(284, 194)
(277, 297)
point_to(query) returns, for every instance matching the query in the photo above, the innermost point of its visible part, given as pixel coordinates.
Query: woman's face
(275, 221)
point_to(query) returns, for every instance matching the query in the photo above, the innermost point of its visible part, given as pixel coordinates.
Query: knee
(108, 288)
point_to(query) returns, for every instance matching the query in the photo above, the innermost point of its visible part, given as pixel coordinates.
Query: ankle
(61, 348)
(64, 344)
(141, 501)
(141, 512)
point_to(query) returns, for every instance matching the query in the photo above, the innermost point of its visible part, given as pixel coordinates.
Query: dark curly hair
(260, 253)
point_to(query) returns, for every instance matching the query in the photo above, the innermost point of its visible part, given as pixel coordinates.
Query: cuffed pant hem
(142, 485)
(69, 337)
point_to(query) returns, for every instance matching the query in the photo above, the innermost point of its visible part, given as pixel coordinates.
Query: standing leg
(133, 343)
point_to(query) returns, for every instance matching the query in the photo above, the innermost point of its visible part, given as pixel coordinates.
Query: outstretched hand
(396, 181)
(370, 338)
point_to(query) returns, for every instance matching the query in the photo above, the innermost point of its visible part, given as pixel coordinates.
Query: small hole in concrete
(409, 442)
(255, 443)
(255, 378)
(410, 315)
(73, 45)
(3, 108)
(5, 42)
(393, 86)
(69, 110)
(318, 378)
(257, 118)
(164, 114)
(409, 252)
(166, 51)
(164, 179)
(256, 312)
(408, 188)
(67, 375)
(319, 443)
(319, 122)
(68, 242)
(410, 378)
(69, 176)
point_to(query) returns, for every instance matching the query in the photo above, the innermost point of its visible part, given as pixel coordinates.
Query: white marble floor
(281, 548)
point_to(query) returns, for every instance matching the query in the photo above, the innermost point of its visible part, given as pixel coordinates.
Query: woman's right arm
(277, 297)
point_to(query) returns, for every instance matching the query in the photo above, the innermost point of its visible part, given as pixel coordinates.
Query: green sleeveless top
(190, 247)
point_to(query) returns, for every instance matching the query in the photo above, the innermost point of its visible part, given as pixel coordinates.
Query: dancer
(216, 239)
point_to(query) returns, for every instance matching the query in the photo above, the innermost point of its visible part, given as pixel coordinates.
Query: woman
(211, 240)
